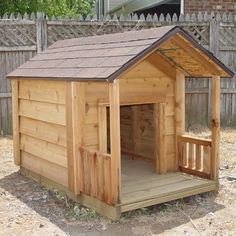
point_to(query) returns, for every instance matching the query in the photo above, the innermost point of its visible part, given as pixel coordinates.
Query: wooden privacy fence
(22, 37)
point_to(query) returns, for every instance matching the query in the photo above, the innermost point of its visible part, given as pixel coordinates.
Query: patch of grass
(81, 213)
(138, 212)
(74, 209)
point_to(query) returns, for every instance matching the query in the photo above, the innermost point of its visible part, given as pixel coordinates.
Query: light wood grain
(115, 141)
(141, 184)
(43, 90)
(48, 112)
(162, 159)
(70, 129)
(44, 168)
(179, 108)
(52, 133)
(163, 65)
(102, 126)
(15, 120)
(215, 128)
(43, 149)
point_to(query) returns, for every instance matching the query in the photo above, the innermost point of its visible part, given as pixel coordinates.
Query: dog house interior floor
(142, 187)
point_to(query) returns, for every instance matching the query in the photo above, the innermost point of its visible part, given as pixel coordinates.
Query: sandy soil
(27, 208)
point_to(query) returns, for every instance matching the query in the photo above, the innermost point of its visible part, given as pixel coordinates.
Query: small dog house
(104, 118)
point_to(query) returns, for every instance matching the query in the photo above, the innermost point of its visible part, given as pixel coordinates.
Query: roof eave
(208, 53)
(102, 79)
(155, 45)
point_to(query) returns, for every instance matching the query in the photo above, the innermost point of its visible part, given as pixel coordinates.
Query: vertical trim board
(15, 121)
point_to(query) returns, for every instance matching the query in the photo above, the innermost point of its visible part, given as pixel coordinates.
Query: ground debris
(27, 208)
(232, 177)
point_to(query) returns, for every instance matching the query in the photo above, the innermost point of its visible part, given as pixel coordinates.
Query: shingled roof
(105, 57)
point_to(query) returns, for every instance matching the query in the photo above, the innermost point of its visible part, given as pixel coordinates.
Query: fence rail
(22, 37)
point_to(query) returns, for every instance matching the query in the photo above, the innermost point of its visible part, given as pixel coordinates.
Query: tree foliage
(50, 7)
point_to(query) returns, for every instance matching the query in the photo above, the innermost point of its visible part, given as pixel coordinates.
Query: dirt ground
(27, 208)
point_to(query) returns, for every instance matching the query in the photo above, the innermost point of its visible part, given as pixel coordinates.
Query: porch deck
(141, 187)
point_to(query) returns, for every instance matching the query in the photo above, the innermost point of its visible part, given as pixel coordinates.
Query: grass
(74, 209)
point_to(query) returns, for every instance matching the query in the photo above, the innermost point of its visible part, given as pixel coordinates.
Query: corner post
(179, 109)
(15, 121)
(215, 121)
(114, 98)
(75, 112)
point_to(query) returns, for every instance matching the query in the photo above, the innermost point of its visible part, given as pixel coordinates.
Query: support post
(215, 121)
(179, 109)
(15, 121)
(114, 98)
(75, 112)
(160, 138)
(214, 48)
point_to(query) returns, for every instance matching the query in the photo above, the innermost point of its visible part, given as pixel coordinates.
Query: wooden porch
(141, 186)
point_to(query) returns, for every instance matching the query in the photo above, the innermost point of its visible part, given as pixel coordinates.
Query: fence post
(41, 30)
(214, 48)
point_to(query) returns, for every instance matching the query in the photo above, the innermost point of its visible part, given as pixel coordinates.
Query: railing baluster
(100, 179)
(206, 159)
(184, 154)
(190, 156)
(180, 153)
(93, 174)
(198, 157)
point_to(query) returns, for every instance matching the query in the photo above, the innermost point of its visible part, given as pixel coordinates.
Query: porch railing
(194, 155)
(96, 172)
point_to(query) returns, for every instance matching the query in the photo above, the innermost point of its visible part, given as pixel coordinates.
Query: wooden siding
(43, 147)
(143, 81)
(94, 92)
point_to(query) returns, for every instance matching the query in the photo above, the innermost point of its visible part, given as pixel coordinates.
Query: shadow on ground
(153, 220)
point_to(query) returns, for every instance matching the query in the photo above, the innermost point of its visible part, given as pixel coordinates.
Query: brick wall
(191, 6)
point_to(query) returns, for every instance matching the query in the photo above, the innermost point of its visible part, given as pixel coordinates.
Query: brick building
(227, 6)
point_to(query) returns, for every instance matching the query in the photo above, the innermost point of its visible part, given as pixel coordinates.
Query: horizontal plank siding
(44, 168)
(48, 112)
(49, 132)
(43, 149)
(43, 91)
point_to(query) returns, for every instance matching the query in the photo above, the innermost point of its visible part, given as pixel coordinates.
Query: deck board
(141, 186)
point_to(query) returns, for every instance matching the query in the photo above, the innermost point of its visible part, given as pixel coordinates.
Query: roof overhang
(216, 67)
(137, 5)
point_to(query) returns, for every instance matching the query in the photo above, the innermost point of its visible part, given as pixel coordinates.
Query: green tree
(50, 7)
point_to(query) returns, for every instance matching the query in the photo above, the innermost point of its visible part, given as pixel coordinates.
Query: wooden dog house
(104, 118)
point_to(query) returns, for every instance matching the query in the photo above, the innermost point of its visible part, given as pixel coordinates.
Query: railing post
(215, 128)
